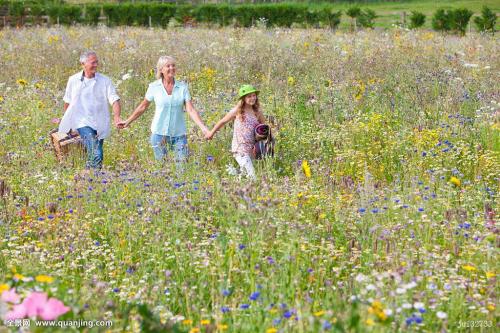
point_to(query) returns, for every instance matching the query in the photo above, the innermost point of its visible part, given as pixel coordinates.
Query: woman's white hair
(85, 55)
(162, 61)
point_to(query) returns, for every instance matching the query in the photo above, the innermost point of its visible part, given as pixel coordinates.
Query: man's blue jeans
(162, 143)
(93, 146)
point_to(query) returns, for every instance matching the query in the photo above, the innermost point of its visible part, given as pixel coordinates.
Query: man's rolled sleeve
(67, 93)
(112, 94)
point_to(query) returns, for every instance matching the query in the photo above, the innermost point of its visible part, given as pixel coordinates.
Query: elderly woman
(169, 126)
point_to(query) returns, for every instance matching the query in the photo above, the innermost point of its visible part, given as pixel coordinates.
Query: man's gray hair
(85, 55)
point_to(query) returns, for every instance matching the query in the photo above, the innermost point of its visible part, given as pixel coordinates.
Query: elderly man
(86, 100)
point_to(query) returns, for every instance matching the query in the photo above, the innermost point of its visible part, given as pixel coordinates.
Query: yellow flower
(1, 98)
(306, 169)
(490, 275)
(44, 279)
(271, 330)
(322, 215)
(205, 322)
(455, 181)
(3, 287)
(222, 327)
(491, 307)
(194, 330)
(22, 82)
(319, 313)
(187, 321)
(369, 322)
(291, 81)
(18, 277)
(469, 268)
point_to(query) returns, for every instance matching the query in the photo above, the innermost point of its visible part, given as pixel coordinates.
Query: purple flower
(254, 296)
(225, 309)
(421, 209)
(116, 290)
(287, 314)
(244, 306)
(270, 260)
(241, 246)
(226, 292)
(361, 210)
(210, 158)
(327, 325)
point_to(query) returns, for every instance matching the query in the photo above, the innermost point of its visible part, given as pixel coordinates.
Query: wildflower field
(378, 213)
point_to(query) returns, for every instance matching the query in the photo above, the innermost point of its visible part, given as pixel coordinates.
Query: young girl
(246, 115)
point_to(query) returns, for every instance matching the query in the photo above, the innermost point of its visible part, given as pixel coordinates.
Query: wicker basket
(65, 143)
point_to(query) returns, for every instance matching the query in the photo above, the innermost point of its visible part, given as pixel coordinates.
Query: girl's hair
(240, 107)
(161, 63)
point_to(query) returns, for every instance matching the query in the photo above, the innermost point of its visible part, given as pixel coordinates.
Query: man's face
(90, 66)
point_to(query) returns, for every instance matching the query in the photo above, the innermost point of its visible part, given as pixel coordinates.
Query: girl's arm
(136, 114)
(195, 116)
(227, 118)
(260, 117)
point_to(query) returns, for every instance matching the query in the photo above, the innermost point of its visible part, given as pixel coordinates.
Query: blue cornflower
(361, 210)
(116, 290)
(241, 246)
(420, 209)
(244, 306)
(254, 296)
(225, 309)
(287, 314)
(226, 292)
(327, 325)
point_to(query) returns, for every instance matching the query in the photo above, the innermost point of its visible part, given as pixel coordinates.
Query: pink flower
(17, 312)
(10, 296)
(55, 120)
(37, 305)
(53, 309)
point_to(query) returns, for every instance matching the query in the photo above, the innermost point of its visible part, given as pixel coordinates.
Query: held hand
(117, 121)
(209, 135)
(122, 125)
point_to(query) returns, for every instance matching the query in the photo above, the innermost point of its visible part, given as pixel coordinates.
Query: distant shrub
(486, 22)
(417, 20)
(460, 20)
(442, 20)
(366, 18)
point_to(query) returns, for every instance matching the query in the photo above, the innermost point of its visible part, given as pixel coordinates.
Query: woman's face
(250, 99)
(168, 70)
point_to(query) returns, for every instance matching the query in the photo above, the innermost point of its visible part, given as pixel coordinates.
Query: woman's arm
(227, 118)
(195, 116)
(136, 114)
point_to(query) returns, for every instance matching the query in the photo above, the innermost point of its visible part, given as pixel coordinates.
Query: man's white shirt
(89, 101)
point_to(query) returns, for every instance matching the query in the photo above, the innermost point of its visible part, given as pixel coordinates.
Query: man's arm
(117, 109)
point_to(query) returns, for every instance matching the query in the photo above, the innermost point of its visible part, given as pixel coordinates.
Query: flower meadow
(378, 213)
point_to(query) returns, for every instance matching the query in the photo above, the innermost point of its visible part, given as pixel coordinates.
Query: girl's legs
(246, 165)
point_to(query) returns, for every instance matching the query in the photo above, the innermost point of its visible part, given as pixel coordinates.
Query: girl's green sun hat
(246, 89)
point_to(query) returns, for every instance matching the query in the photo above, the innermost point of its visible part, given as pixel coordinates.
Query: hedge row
(277, 14)
(139, 14)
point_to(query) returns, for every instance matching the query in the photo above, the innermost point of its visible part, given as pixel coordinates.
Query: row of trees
(455, 20)
(278, 14)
